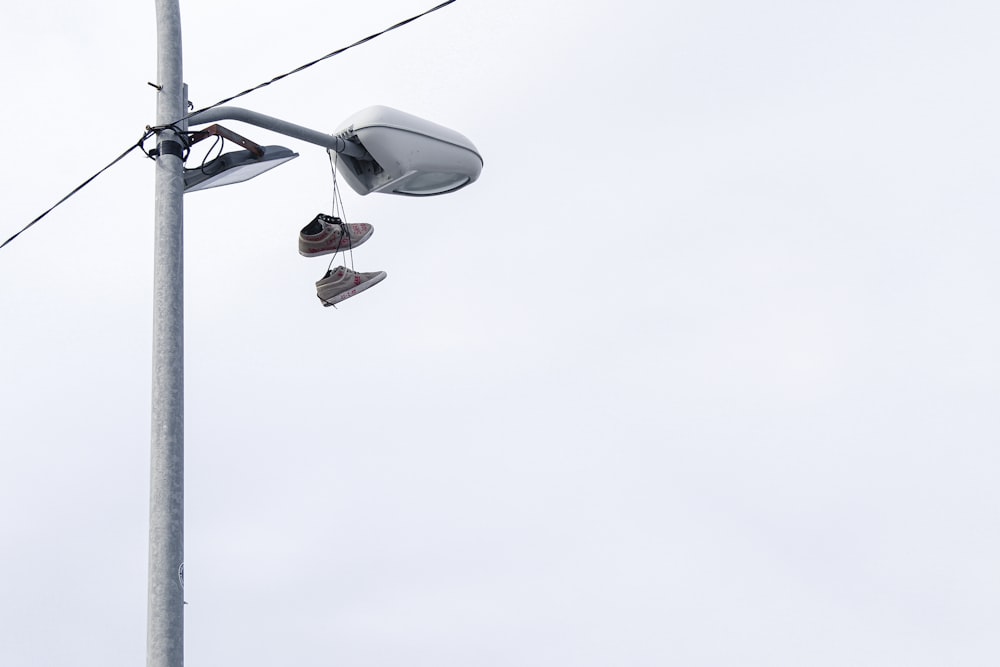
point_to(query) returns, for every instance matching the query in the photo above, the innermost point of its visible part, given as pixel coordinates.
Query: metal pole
(165, 612)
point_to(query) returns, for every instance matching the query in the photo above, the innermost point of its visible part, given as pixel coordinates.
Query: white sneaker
(326, 234)
(342, 283)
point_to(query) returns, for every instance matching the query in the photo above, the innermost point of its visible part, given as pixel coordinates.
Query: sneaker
(342, 283)
(325, 235)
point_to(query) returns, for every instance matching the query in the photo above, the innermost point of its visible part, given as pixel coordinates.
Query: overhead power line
(151, 131)
(79, 187)
(319, 60)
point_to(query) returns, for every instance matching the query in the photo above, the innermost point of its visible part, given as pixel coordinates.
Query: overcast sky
(702, 371)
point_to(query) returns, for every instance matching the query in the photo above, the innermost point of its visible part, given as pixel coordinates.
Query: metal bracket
(225, 133)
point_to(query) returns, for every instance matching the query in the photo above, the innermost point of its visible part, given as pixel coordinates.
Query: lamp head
(406, 155)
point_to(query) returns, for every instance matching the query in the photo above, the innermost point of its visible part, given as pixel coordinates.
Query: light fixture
(236, 166)
(408, 155)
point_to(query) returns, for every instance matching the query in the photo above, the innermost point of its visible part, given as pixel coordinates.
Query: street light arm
(336, 144)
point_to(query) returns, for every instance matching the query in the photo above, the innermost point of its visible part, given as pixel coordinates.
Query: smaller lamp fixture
(234, 167)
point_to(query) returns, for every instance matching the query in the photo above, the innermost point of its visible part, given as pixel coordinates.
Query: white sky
(702, 371)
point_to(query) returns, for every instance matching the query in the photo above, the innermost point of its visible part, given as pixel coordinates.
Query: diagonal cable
(319, 60)
(78, 188)
(150, 132)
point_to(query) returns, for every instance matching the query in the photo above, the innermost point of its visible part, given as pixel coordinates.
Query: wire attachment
(180, 148)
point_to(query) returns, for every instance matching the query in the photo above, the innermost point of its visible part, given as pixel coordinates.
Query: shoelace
(344, 233)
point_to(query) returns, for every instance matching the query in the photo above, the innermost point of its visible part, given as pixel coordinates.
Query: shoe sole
(330, 251)
(354, 291)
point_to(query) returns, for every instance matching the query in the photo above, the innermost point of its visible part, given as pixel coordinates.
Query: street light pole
(165, 611)
(385, 151)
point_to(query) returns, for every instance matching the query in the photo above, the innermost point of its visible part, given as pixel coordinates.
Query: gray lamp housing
(408, 155)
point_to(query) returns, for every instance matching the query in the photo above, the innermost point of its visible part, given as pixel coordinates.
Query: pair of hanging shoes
(326, 235)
